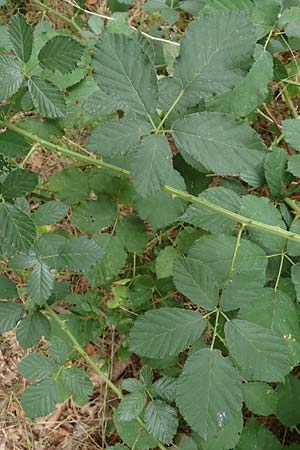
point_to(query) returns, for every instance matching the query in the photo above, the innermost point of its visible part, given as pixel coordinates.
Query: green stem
(279, 271)
(82, 352)
(237, 244)
(245, 221)
(286, 97)
(293, 205)
(33, 148)
(215, 330)
(170, 110)
(58, 14)
(91, 363)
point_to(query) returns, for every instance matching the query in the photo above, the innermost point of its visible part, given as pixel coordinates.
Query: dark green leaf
(276, 171)
(132, 233)
(71, 185)
(131, 406)
(288, 407)
(36, 366)
(257, 436)
(31, 329)
(94, 215)
(40, 399)
(260, 398)
(61, 53)
(11, 77)
(40, 283)
(10, 314)
(21, 36)
(79, 384)
(161, 421)
(8, 289)
(16, 227)
(19, 182)
(50, 213)
(47, 98)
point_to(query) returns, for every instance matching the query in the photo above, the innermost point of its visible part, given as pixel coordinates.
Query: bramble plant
(181, 213)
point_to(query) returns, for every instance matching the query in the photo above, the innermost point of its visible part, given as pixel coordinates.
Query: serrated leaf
(165, 388)
(21, 262)
(31, 329)
(61, 53)
(160, 209)
(50, 213)
(122, 69)
(132, 385)
(165, 332)
(45, 129)
(10, 314)
(196, 281)
(264, 15)
(161, 421)
(231, 148)
(36, 366)
(151, 165)
(79, 254)
(291, 131)
(102, 104)
(294, 165)
(21, 36)
(209, 220)
(59, 349)
(112, 262)
(249, 93)
(199, 73)
(40, 283)
(132, 233)
(78, 383)
(71, 185)
(16, 227)
(262, 210)
(259, 352)
(275, 310)
(276, 171)
(40, 399)
(289, 20)
(118, 137)
(19, 182)
(131, 406)
(11, 76)
(13, 144)
(133, 434)
(8, 289)
(217, 251)
(210, 405)
(47, 98)
(146, 375)
(164, 262)
(94, 215)
(255, 435)
(260, 398)
(295, 273)
(288, 407)
(187, 443)
(231, 5)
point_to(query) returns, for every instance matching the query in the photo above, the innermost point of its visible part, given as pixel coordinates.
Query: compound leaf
(61, 53)
(78, 383)
(50, 213)
(47, 98)
(8, 289)
(19, 182)
(21, 36)
(40, 399)
(165, 332)
(131, 406)
(31, 329)
(11, 76)
(16, 227)
(10, 314)
(40, 283)
(161, 421)
(36, 367)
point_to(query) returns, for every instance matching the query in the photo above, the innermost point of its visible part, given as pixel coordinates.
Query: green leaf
(50, 213)
(231, 5)
(21, 36)
(61, 53)
(132, 233)
(146, 376)
(264, 15)
(260, 398)
(276, 171)
(13, 144)
(11, 76)
(31, 329)
(249, 93)
(132, 385)
(71, 185)
(40, 283)
(164, 262)
(200, 73)
(45, 129)
(165, 332)
(231, 148)
(210, 220)
(134, 434)
(8, 289)
(291, 131)
(257, 436)
(122, 69)
(293, 249)
(295, 272)
(59, 349)
(234, 295)
(262, 210)
(211, 404)
(288, 407)
(78, 383)
(102, 104)
(196, 281)
(259, 352)
(165, 388)
(118, 137)
(79, 254)
(289, 20)
(16, 227)
(21, 262)
(131, 406)
(40, 399)
(36, 367)
(161, 421)
(112, 262)
(19, 182)
(47, 98)
(275, 310)
(10, 314)
(187, 443)
(94, 215)
(152, 165)
(217, 251)
(294, 165)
